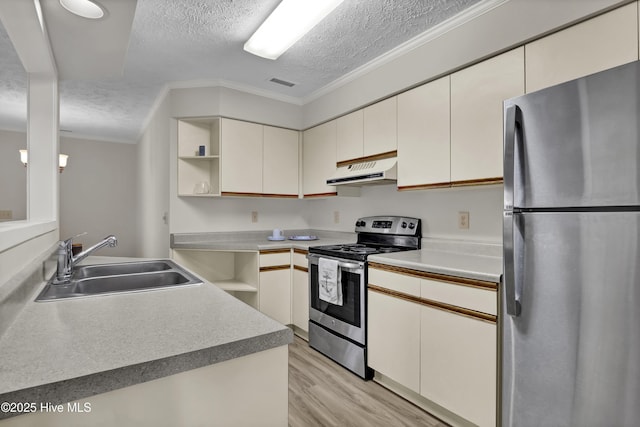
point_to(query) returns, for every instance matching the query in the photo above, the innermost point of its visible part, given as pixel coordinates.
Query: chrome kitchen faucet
(66, 260)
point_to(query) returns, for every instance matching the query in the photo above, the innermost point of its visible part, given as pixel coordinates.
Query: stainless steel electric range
(338, 326)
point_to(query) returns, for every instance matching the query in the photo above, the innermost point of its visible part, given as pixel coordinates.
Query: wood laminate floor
(323, 393)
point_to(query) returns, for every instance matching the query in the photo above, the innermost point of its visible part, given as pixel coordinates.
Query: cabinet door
(241, 156)
(393, 346)
(319, 159)
(350, 136)
(424, 136)
(275, 295)
(477, 94)
(280, 161)
(300, 299)
(380, 127)
(595, 45)
(458, 364)
(394, 339)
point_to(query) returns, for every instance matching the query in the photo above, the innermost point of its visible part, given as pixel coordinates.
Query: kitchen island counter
(64, 350)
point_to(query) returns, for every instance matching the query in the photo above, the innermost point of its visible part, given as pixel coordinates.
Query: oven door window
(349, 311)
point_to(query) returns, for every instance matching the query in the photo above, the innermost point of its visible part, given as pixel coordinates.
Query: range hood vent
(367, 173)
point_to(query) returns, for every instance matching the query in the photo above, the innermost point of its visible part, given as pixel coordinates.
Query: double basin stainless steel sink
(104, 279)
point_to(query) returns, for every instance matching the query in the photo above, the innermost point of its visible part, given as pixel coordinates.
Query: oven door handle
(350, 265)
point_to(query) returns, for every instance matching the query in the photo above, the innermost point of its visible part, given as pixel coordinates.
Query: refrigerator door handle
(510, 278)
(513, 124)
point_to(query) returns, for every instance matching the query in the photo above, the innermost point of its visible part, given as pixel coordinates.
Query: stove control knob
(404, 224)
(361, 223)
(411, 226)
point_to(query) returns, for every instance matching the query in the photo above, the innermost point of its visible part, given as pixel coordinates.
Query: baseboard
(431, 407)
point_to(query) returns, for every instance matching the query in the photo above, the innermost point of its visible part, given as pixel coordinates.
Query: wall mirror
(13, 132)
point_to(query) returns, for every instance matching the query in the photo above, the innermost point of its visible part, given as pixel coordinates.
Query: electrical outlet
(254, 216)
(6, 215)
(336, 217)
(463, 220)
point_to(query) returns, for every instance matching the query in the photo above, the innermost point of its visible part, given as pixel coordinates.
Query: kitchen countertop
(480, 261)
(257, 240)
(458, 258)
(60, 351)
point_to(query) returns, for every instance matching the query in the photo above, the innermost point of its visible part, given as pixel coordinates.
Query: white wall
(98, 194)
(153, 185)
(13, 176)
(438, 209)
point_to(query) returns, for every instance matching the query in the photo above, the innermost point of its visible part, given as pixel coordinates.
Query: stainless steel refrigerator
(570, 312)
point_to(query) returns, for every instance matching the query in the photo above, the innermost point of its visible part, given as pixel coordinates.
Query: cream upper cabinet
(319, 159)
(280, 162)
(477, 94)
(380, 127)
(350, 136)
(424, 136)
(241, 154)
(595, 45)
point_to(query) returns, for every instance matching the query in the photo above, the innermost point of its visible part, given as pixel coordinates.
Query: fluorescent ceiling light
(84, 8)
(291, 20)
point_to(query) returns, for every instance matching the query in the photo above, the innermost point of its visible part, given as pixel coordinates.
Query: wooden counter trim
(275, 268)
(424, 186)
(435, 276)
(482, 181)
(300, 251)
(274, 251)
(478, 315)
(318, 195)
(387, 155)
(238, 194)
(300, 268)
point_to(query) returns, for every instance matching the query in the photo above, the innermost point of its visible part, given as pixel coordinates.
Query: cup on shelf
(277, 234)
(201, 188)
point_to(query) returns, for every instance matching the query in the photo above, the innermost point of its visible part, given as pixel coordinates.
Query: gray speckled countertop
(257, 240)
(64, 350)
(480, 261)
(459, 258)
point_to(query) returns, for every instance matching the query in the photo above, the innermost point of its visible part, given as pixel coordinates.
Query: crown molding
(432, 33)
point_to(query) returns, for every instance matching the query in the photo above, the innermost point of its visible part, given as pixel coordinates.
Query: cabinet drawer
(484, 300)
(395, 282)
(300, 259)
(276, 258)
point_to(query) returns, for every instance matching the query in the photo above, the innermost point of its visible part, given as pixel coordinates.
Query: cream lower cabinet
(600, 43)
(275, 285)
(458, 364)
(435, 336)
(300, 291)
(393, 346)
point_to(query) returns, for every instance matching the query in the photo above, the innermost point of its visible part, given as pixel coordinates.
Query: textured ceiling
(177, 41)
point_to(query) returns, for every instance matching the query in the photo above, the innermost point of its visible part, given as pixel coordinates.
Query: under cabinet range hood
(382, 171)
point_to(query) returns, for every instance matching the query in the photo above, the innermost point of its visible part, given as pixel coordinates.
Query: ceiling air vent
(282, 82)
